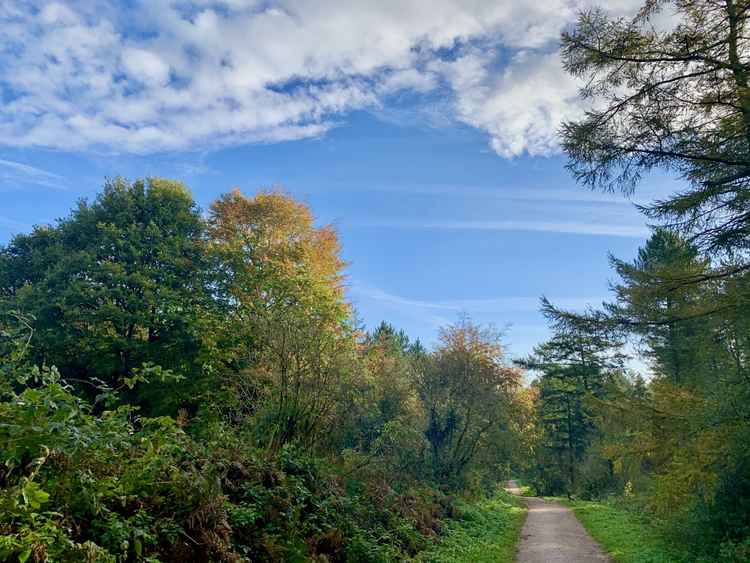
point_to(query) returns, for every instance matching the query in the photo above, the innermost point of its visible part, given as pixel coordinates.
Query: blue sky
(426, 135)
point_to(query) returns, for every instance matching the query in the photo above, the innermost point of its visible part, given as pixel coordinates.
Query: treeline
(668, 94)
(180, 386)
(676, 446)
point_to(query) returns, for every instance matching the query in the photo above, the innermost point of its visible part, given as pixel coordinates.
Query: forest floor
(552, 534)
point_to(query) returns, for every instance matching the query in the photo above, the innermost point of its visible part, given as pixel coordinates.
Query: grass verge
(527, 490)
(627, 537)
(483, 532)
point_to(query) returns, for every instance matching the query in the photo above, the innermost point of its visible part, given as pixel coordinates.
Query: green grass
(484, 532)
(526, 489)
(627, 537)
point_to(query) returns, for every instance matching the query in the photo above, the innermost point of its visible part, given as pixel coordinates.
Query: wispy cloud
(18, 172)
(567, 191)
(579, 228)
(520, 337)
(490, 305)
(570, 194)
(9, 224)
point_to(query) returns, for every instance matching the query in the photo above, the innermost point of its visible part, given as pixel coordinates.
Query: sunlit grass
(485, 532)
(627, 537)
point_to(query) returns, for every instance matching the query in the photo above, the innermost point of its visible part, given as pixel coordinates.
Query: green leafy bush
(113, 486)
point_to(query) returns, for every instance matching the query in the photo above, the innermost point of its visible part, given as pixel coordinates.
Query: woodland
(181, 384)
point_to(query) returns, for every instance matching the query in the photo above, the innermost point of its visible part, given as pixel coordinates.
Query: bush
(116, 486)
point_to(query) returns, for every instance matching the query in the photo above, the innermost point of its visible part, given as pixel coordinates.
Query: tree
(385, 391)
(380, 418)
(16, 332)
(305, 438)
(116, 285)
(466, 390)
(678, 440)
(575, 366)
(677, 99)
(567, 425)
(279, 279)
(670, 318)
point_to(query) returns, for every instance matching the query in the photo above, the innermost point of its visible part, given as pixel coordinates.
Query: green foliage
(675, 445)
(630, 536)
(467, 394)
(577, 368)
(74, 483)
(667, 312)
(122, 486)
(119, 283)
(210, 399)
(678, 441)
(278, 280)
(16, 332)
(485, 531)
(670, 94)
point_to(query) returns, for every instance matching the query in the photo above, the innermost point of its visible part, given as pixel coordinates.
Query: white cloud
(183, 74)
(55, 12)
(520, 106)
(145, 66)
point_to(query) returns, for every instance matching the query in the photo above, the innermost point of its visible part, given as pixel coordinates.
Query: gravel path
(552, 534)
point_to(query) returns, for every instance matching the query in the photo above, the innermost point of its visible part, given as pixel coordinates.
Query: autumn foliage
(181, 387)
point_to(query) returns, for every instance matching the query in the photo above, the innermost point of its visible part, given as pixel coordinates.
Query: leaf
(138, 546)
(33, 495)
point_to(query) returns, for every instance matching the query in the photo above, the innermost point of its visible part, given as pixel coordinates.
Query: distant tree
(389, 392)
(380, 418)
(575, 367)
(466, 390)
(582, 342)
(386, 335)
(566, 421)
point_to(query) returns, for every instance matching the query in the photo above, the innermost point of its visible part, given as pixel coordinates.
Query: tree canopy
(668, 90)
(181, 386)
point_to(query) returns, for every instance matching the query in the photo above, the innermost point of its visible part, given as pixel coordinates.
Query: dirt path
(552, 534)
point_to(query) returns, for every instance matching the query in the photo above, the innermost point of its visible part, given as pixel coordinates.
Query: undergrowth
(483, 532)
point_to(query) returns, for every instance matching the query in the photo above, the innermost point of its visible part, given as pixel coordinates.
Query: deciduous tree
(117, 284)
